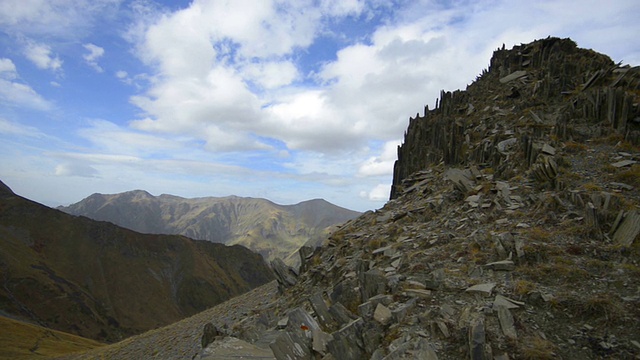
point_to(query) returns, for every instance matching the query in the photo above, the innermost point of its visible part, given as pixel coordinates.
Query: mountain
(104, 282)
(513, 232)
(265, 227)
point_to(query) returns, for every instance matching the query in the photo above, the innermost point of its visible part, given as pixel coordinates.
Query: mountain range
(103, 282)
(272, 230)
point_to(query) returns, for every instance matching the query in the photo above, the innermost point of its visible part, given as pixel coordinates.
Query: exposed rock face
(562, 91)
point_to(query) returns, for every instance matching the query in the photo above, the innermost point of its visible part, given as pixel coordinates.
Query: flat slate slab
(231, 348)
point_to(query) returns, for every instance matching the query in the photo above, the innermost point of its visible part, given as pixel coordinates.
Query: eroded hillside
(104, 282)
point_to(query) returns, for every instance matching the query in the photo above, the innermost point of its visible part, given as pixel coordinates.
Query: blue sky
(285, 100)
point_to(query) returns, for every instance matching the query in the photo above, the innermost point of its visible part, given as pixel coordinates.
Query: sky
(278, 99)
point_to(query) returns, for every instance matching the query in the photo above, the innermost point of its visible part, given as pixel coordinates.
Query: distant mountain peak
(268, 228)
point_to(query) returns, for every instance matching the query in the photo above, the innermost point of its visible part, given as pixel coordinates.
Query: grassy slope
(20, 340)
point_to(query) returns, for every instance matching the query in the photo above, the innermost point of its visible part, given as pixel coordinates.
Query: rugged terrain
(103, 282)
(512, 233)
(274, 231)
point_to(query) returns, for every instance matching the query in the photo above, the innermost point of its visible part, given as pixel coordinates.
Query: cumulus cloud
(229, 74)
(381, 165)
(95, 52)
(41, 55)
(378, 193)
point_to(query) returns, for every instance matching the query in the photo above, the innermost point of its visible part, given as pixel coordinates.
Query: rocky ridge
(512, 232)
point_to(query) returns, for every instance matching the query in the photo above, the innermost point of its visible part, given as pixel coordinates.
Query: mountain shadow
(104, 282)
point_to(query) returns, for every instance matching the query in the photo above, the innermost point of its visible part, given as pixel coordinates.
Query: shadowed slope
(104, 282)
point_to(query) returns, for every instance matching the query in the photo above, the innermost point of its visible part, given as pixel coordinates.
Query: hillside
(22, 341)
(265, 227)
(103, 282)
(512, 233)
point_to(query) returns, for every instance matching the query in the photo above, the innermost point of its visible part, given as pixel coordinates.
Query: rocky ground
(512, 233)
(183, 340)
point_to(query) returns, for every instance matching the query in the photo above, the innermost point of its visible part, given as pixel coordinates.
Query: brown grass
(537, 348)
(630, 176)
(574, 147)
(20, 340)
(524, 287)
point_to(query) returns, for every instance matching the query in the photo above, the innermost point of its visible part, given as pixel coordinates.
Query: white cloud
(7, 69)
(271, 75)
(15, 129)
(381, 165)
(95, 52)
(18, 94)
(60, 18)
(75, 169)
(113, 139)
(379, 193)
(41, 56)
(228, 74)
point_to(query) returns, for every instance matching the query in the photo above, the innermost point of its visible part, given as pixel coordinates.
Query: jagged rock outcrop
(548, 88)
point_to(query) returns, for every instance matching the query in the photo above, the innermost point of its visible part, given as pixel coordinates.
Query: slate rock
(286, 347)
(628, 230)
(375, 283)
(477, 339)
(340, 314)
(322, 311)
(347, 342)
(209, 334)
(319, 341)
(348, 293)
(506, 322)
(504, 265)
(382, 314)
(284, 274)
(482, 288)
(513, 76)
